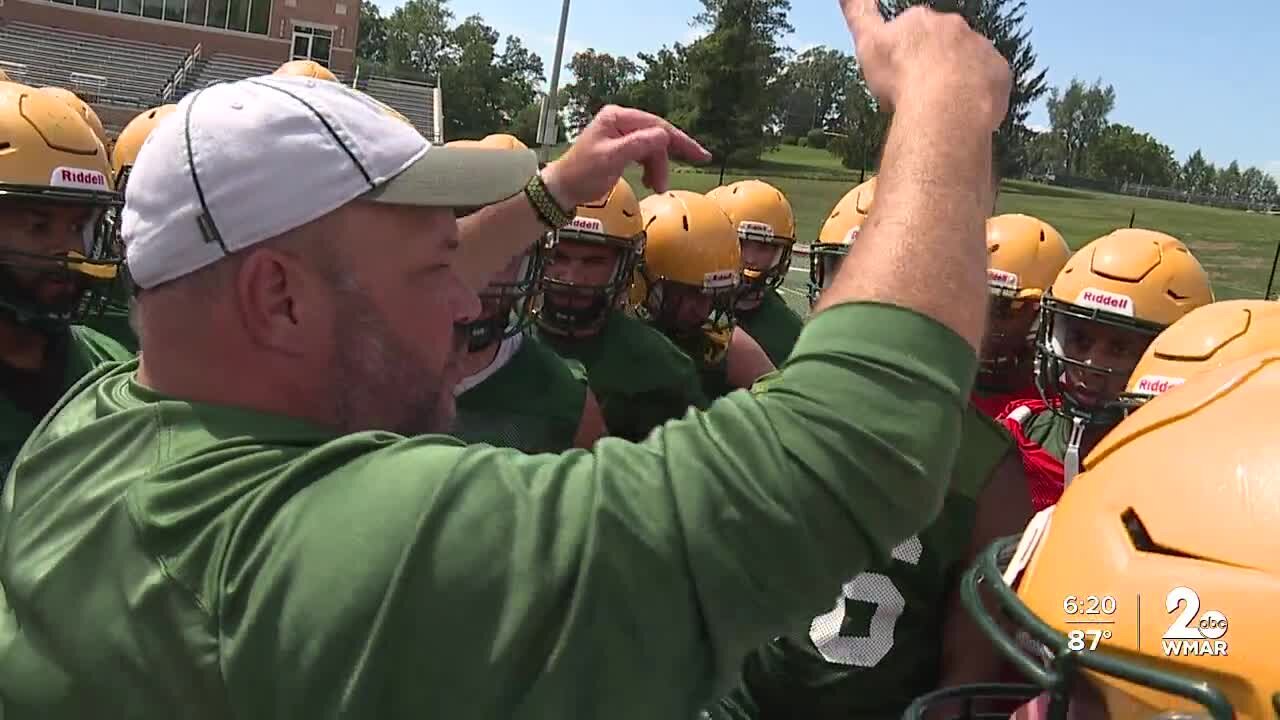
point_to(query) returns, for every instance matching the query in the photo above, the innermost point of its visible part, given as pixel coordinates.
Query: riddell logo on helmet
(1157, 384)
(79, 178)
(1109, 301)
(720, 279)
(852, 235)
(1002, 279)
(747, 227)
(587, 224)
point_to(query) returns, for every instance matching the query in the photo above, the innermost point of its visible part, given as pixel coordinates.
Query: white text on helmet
(852, 235)
(1109, 301)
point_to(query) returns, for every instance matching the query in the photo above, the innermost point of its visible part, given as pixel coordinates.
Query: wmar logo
(1192, 633)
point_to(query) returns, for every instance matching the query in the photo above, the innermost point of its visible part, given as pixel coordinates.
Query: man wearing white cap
(249, 521)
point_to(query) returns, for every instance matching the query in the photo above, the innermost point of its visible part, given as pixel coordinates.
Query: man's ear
(280, 301)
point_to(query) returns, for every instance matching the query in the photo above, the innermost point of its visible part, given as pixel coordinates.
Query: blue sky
(1195, 74)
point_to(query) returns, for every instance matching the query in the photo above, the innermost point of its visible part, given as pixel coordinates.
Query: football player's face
(689, 307)
(395, 342)
(583, 264)
(41, 232)
(1008, 328)
(1107, 347)
(760, 256)
(492, 301)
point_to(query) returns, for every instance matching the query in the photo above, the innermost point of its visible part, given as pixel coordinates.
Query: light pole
(547, 123)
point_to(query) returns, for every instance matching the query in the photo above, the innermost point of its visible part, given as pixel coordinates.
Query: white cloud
(1036, 127)
(694, 34)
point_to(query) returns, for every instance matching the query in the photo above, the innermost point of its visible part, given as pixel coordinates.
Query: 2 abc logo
(1192, 633)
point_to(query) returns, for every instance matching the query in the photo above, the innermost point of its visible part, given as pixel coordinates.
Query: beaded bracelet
(549, 211)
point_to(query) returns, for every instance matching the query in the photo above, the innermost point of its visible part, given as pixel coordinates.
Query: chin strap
(1071, 460)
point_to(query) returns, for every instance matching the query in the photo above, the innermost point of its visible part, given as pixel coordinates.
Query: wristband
(548, 210)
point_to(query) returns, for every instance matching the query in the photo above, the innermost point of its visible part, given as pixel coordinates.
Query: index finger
(861, 16)
(679, 144)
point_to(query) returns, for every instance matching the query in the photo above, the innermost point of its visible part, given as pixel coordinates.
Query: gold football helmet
(53, 164)
(507, 301)
(1024, 254)
(837, 234)
(129, 142)
(766, 228)
(1105, 307)
(689, 276)
(306, 68)
(590, 263)
(1149, 590)
(82, 109)
(1205, 338)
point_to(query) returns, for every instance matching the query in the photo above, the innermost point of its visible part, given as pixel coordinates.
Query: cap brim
(459, 177)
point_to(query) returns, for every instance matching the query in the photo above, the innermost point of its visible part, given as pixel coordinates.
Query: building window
(252, 16)
(312, 43)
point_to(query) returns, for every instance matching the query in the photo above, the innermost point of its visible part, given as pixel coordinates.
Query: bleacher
(100, 69)
(415, 101)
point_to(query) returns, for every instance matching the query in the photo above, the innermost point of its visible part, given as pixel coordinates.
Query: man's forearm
(923, 245)
(492, 235)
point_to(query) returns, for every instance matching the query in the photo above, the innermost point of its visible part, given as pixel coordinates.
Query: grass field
(1235, 247)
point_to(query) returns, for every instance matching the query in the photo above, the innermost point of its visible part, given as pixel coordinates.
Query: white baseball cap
(242, 162)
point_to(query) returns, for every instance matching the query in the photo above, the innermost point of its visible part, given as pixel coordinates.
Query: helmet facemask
(574, 308)
(825, 260)
(1068, 373)
(88, 272)
(1012, 319)
(765, 262)
(506, 303)
(698, 319)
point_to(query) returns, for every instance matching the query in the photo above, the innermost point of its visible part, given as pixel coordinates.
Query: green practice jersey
(1050, 431)
(774, 325)
(162, 557)
(879, 647)
(532, 403)
(640, 378)
(26, 396)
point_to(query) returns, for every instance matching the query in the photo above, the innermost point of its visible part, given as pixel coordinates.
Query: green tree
(1195, 175)
(1079, 115)
(417, 37)
(865, 125)
(599, 79)
(1122, 154)
(484, 90)
(734, 75)
(663, 87)
(814, 83)
(372, 45)
(525, 124)
(1004, 22)
(1230, 182)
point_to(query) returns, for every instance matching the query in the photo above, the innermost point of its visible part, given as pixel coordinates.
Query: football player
(57, 257)
(640, 377)
(839, 231)
(1150, 589)
(1026, 255)
(687, 284)
(114, 319)
(898, 630)
(1205, 338)
(1106, 306)
(517, 392)
(767, 231)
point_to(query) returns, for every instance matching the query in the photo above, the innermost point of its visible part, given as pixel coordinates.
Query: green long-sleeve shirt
(163, 558)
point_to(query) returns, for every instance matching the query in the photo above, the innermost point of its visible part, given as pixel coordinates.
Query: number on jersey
(876, 590)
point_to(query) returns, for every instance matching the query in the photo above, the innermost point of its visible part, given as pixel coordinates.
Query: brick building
(126, 55)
